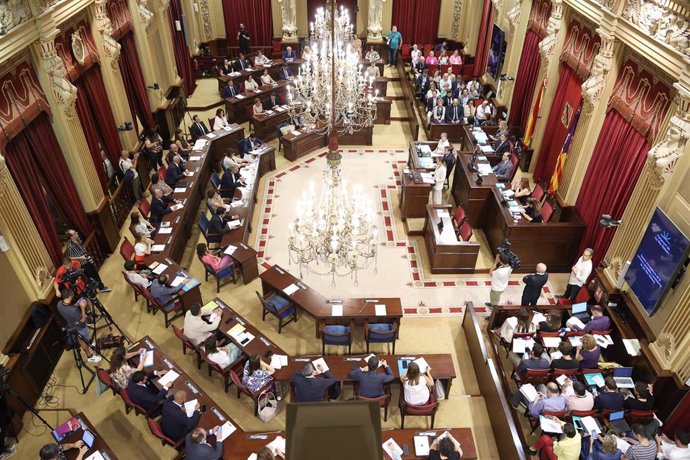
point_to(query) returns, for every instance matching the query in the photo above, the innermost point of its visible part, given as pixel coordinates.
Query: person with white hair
(533, 285)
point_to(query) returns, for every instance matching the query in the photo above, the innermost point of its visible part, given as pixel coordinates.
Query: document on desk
(603, 340)
(158, 248)
(551, 342)
(322, 363)
(277, 445)
(538, 318)
(520, 345)
(177, 281)
(148, 358)
(209, 307)
(392, 449)
(529, 392)
(230, 250)
(590, 425)
(421, 446)
(486, 148)
(632, 346)
(233, 224)
(199, 144)
(194, 158)
(427, 178)
(296, 133)
(575, 321)
(575, 340)
(236, 331)
(549, 426)
(279, 361)
(226, 430)
(423, 365)
(160, 268)
(165, 231)
(190, 407)
(177, 206)
(380, 309)
(484, 169)
(337, 310)
(291, 289)
(169, 376)
(239, 96)
(95, 456)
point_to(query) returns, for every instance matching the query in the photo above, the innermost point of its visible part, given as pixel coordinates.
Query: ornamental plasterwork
(65, 92)
(548, 44)
(514, 15)
(457, 15)
(288, 10)
(669, 24)
(13, 13)
(145, 14)
(163, 5)
(498, 4)
(593, 87)
(664, 155)
(206, 19)
(111, 48)
(43, 5)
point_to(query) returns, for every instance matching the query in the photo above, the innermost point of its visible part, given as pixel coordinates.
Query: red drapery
(484, 39)
(417, 20)
(36, 162)
(182, 56)
(87, 120)
(528, 70)
(254, 14)
(565, 103)
(135, 86)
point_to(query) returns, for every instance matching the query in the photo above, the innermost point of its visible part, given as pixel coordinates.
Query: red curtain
(525, 82)
(484, 39)
(617, 160)
(36, 162)
(568, 92)
(87, 119)
(182, 56)
(254, 14)
(417, 20)
(135, 86)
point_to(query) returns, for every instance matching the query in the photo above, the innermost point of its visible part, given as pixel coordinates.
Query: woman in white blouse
(223, 356)
(251, 84)
(416, 55)
(416, 385)
(141, 226)
(306, 53)
(266, 79)
(260, 59)
(219, 122)
(257, 107)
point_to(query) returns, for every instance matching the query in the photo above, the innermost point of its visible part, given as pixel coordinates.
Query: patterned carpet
(400, 269)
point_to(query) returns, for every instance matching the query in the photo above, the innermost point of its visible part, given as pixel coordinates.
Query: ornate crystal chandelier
(334, 235)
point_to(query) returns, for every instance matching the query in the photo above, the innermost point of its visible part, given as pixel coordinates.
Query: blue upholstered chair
(380, 333)
(215, 180)
(227, 272)
(279, 307)
(211, 239)
(336, 334)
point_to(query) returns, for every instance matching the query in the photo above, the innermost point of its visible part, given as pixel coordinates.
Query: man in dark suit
(371, 382)
(533, 285)
(504, 168)
(250, 143)
(217, 224)
(501, 145)
(230, 181)
(159, 206)
(198, 128)
(454, 113)
(289, 54)
(196, 447)
(423, 82)
(145, 394)
(285, 73)
(175, 171)
(174, 421)
(309, 387)
(271, 102)
(241, 63)
(229, 90)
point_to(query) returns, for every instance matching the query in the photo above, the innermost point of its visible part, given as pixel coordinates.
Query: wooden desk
(276, 279)
(188, 298)
(415, 162)
(455, 132)
(267, 159)
(296, 146)
(99, 443)
(468, 194)
(381, 84)
(265, 124)
(383, 111)
(463, 435)
(244, 255)
(365, 63)
(414, 197)
(238, 108)
(446, 253)
(256, 72)
(362, 137)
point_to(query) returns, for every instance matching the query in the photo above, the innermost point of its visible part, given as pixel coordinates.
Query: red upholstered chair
(127, 250)
(533, 376)
(639, 416)
(210, 123)
(427, 48)
(223, 372)
(465, 231)
(546, 212)
(459, 216)
(161, 173)
(383, 401)
(135, 287)
(427, 409)
(456, 68)
(276, 51)
(171, 311)
(235, 373)
(538, 193)
(282, 97)
(444, 69)
(187, 345)
(157, 431)
(432, 69)
(129, 404)
(105, 379)
(534, 421)
(145, 207)
(582, 296)
(514, 160)
(405, 53)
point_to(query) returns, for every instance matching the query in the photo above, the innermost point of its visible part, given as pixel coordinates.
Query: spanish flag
(532, 121)
(558, 170)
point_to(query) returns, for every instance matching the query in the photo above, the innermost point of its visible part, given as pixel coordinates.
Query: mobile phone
(203, 408)
(404, 363)
(405, 449)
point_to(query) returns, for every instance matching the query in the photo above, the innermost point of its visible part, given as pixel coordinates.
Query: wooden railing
(93, 248)
(409, 100)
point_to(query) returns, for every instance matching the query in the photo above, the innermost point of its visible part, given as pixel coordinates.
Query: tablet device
(88, 438)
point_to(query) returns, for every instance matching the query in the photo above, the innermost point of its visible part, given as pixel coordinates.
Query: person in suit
(175, 171)
(371, 382)
(230, 181)
(173, 152)
(504, 168)
(454, 113)
(533, 285)
(271, 102)
(159, 206)
(144, 393)
(242, 63)
(449, 159)
(501, 145)
(250, 143)
(229, 90)
(174, 421)
(289, 54)
(162, 293)
(197, 448)
(198, 128)
(308, 386)
(217, 224)
(285, 73)
(423, 83)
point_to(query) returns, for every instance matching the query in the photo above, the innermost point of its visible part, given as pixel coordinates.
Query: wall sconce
(126, 126)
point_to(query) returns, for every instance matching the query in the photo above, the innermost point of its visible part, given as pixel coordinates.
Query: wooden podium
(447, 254)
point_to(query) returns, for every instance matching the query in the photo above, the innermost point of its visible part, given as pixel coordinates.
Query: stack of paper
(239, 96)
(177, 206)
(575, 323)
(423, 365)
(486, 148)
(169, 376)
(226, 430)
(230, 250)
(427, 178)
(549, 426)
(194, 158)
(177, 281)
(421, 446)
(392, 449)
(380, 309)
(603, 340)
(576, 340)
(590, 425)
(529, 392)
(632, 346)
(190, 407)
(320, 365)
(165, 231)
(551, 342)
(236, 331)
(209, 307)
(148, 358)
(158, 248)
(160, 268)
(278, 361)
(233, 224)
(277, 445)
(291, 289)
(520, 345)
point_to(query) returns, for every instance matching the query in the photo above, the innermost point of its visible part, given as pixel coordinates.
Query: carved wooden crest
(78, 47)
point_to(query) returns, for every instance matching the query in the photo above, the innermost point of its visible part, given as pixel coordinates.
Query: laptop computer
(623, 377)
(618, 423)
(580, 312)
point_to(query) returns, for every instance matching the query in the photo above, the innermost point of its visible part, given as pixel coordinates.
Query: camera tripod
(6, 390)
(109, 322)
(73, 339)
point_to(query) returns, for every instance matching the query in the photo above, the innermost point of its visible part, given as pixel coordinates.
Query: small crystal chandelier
(335, 235)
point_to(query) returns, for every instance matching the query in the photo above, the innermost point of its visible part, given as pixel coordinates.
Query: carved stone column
(548, 45)
(513, 15)
(165, 53)
(375, 27)
(456, 21)
(147, 50)
(27, 255)
(288, 14)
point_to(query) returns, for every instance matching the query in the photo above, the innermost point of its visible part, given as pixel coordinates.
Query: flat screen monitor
(343, 431)
(497, 53)
(661, 254)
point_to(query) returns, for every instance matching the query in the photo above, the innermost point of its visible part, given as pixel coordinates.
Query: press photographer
(74, 314)
(77, 252)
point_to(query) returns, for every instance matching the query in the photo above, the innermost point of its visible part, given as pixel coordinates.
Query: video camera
(504, 250)
(71, 277)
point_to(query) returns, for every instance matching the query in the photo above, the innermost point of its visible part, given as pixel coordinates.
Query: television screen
(497, 53)
(655, 265)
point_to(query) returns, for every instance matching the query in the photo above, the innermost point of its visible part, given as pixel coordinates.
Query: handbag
(268, 406)
(440, 391)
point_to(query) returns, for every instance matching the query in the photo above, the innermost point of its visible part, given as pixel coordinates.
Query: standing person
(394, 41)
(579, 274)
(500, 274)
(76, 314)
(244, 39)
(533, 285)
(153, 148)
(129, 169)
(439, 180)
(76, 251)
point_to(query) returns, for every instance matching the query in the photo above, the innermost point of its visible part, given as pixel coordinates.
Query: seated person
(229, 90)
(548, 399)
(609, 398)
(223, 356)
(141, 226)
(218, 224)
(215, 262)
(581, 400)
(372, 71)
(443, 142)
(431, 59)
(250, 84)
(416, 385)
(455, 58)
(599, 322)
(372, 55)
(605, 448)
(553, 323)
(120, 371)
(220, 121)
(308, 386)
(289, 54)
(230, 181)
(438, 115)
(214, 201)
(641, 400)
(163, 294)
(173, 152)
(250, 143)
(532, 211)
(261, 59)
(443, 58)
(306, 53)
(588, 353)
(140, 278)
(285, 73)
(537, 360)
(144, 393)
(524, 326)
(504, 169)
(675, 450)
(256, 374)
(157, 183)
(272, 102)
(567, 448)
(501, 145)
(266, 79)
(445, 447)
(175, 172)
(455, 113)
(142, 249)
(174, 421)
(196, 329)
(422, 84)
(258, 107)
(642, 445)
(242, 63)
(565, 362)
(232, 158)
(54, 451)
(371, 382)
(197, 448)
(226, 68)
(522, 190)
(416, 55)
